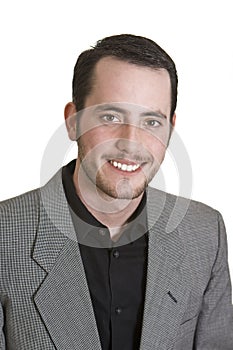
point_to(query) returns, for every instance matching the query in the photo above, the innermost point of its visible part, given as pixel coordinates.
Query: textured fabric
(45, 300)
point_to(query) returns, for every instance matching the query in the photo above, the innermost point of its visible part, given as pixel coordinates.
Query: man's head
(125, 47)
(124, 91)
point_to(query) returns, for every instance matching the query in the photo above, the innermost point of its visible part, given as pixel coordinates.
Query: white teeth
(124, 167)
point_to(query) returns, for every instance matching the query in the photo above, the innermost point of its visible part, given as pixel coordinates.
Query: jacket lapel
(166, 295)
(63, 299)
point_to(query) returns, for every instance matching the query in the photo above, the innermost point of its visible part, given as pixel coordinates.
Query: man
(87, 261)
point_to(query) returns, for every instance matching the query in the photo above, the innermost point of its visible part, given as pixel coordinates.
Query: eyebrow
(154, 114)
(107, 107)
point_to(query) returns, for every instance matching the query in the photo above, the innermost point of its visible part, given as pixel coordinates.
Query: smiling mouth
(124, 167)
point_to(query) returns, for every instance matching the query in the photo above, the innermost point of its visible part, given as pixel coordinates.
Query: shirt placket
(117, 307)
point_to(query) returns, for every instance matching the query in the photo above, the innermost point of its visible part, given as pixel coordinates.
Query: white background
(40, 42)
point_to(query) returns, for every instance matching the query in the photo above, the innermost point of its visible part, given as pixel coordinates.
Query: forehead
(117, 81)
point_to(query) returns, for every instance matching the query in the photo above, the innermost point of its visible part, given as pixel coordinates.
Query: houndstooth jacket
(45, 301)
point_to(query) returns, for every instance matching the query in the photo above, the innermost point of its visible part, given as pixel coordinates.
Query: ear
(172, 125)
(173, 121)
(70, 120)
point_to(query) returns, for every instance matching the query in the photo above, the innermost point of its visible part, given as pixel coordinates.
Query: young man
(87, 261)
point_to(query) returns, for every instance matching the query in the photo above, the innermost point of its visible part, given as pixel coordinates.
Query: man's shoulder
(31, 199)
(23, 203)
(188, 209)
(199, 225)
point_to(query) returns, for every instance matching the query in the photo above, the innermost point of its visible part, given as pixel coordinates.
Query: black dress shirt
(115, 271)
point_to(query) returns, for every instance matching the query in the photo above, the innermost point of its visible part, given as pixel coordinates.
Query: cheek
(93, 146)
(156, 146)
(91, 139)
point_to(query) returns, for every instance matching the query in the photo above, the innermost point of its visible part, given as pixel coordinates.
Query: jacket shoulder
(30, 197)
(199, 226)
(18, 211)
(187, 210)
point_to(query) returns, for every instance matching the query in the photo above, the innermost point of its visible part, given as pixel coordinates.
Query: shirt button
(102, 232)
(116, 254)
(118, 310)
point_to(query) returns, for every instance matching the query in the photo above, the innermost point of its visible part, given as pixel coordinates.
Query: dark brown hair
(126, 47)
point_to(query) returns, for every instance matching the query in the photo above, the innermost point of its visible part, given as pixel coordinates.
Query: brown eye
(152, 123)
(110, 118)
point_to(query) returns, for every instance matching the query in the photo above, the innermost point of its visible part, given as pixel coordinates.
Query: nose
(128, 140)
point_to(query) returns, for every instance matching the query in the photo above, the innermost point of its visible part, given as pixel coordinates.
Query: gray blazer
(45, 301)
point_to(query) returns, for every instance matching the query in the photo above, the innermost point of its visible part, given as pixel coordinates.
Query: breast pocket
(185, 336)
(193, 308)
(189, 320)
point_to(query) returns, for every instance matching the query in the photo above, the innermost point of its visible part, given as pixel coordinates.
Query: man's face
(124, 128)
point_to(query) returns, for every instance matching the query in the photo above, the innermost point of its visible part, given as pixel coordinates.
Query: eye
(152, 123)
(110, 118)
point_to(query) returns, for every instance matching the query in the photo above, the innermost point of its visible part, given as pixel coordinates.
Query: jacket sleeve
(215, 324)
(2, 338)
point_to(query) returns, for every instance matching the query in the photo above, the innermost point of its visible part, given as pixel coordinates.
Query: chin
(123, 190)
